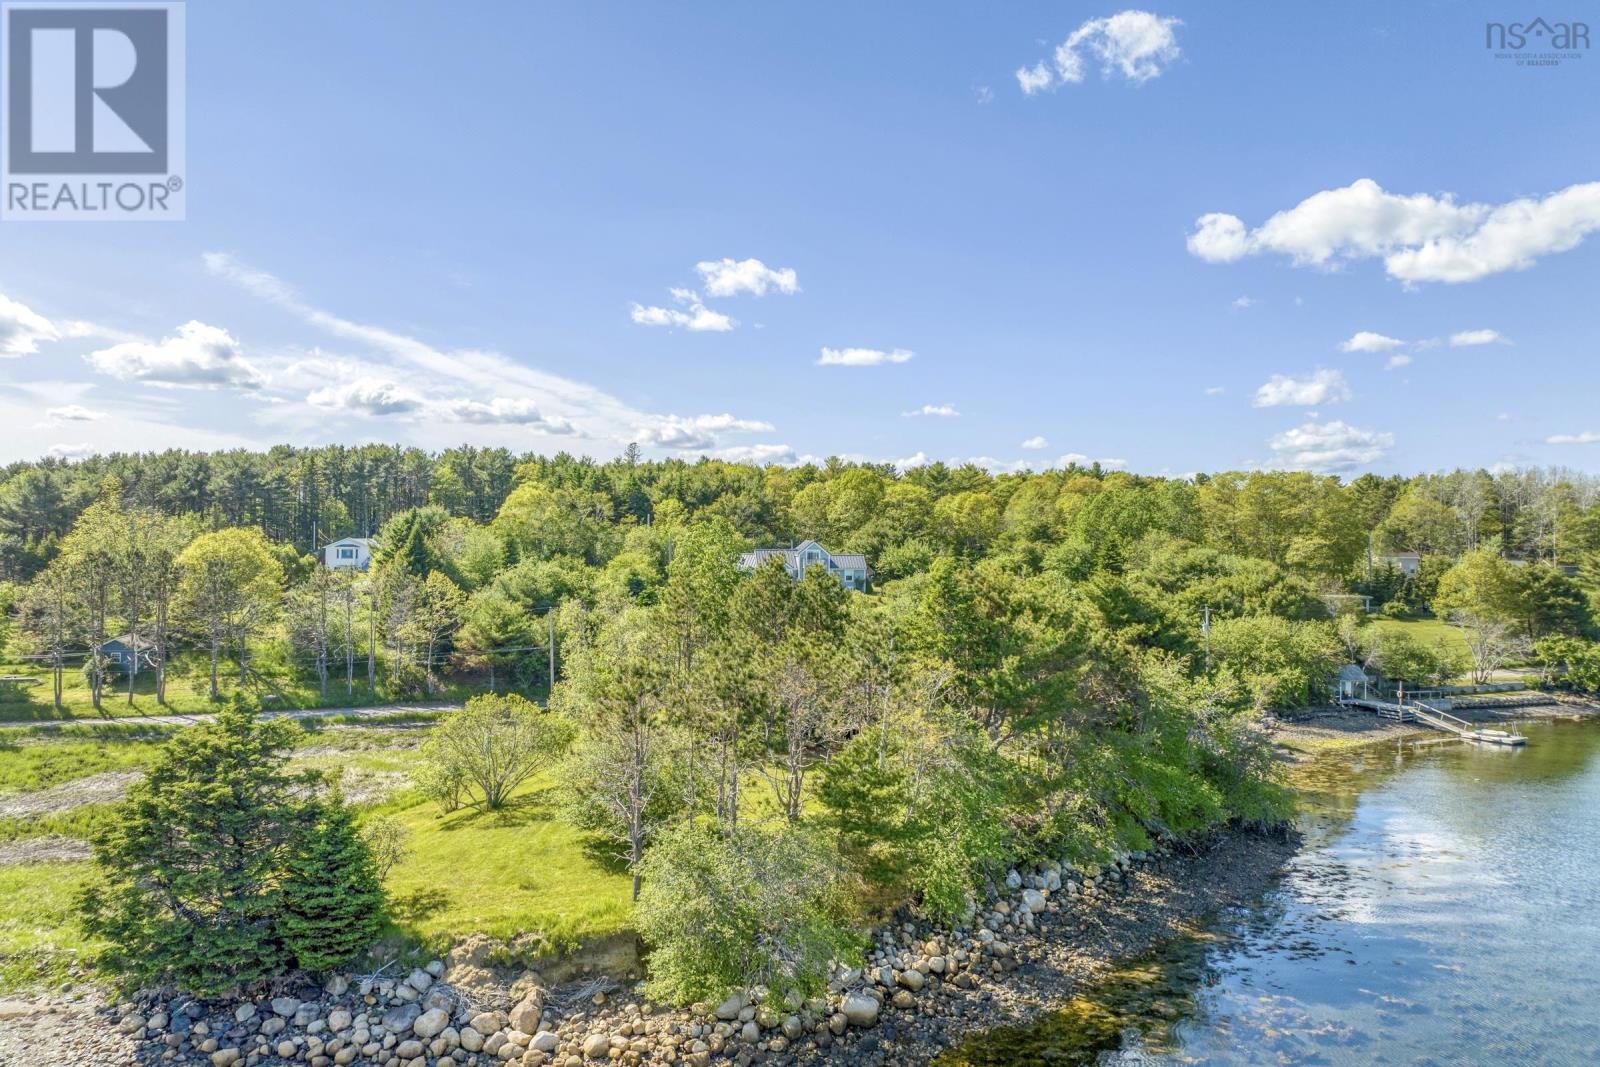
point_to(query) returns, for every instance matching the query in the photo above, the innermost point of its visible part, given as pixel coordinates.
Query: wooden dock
(1434, 716)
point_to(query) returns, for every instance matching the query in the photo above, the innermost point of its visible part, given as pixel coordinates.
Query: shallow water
(1444, 910)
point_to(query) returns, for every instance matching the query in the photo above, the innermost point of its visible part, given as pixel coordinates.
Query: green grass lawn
(40, 940)
(1430, 632)
(522, 870)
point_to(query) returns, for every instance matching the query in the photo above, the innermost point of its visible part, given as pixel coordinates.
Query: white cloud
(74, 413)
(1368, 341)
(916, 459)
(1587, 437)
(1243, 302)
(760, 455)
(1395, 362)
(21, 328)
(729, 277)
(503, 411)
(1420, 237)
(1215, 390)
(697, 434)
(381, 398)
(1466, 338)
(862, 357)
(1134, 45)
(1329, 447)
(369, 396)
(1323, 387)
(70, 453)
(1035, 442)
(943, 411)
(1035, 78)
(698, 319)
(199, 356)
(1110, 463)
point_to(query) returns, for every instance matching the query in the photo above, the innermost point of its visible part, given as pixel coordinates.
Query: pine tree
(333, 906)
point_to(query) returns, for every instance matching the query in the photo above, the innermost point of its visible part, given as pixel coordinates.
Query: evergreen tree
(191, 869)
(333, 906)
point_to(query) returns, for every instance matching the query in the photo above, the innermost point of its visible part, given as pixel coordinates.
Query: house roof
(791, 557)
(128, 640)
(364, 542)
(1399, 555)
(1351, 672)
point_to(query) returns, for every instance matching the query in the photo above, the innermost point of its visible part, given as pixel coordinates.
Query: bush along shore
(920, 988)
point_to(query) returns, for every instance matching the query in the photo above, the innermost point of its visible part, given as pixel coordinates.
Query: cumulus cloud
(1243, 302)
(1420, 237)
(729, 277)
(1132, 45)
(1466, 338)
(1587, 437)
(369, 396)
(697, 433)
(1215, 390)
(862, 357)
(1329, 447)
(943, 411)
(1323, 387)
(70, 453)
(697, 318)
(199, 356)
(503, 411)
(1036, 442)
(1081, 460)
(760, 455)
(74, 413)
(1368, 341)
(382, 398)
(1397, 361)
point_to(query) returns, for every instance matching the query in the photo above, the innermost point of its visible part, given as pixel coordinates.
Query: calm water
(1444, 910)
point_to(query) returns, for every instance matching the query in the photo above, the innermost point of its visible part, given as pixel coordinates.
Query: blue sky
(433, 225)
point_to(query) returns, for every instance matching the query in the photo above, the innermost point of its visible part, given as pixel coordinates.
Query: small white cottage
(350, 553)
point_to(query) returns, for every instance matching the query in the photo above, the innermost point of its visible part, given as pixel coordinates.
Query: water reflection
(1443, 911)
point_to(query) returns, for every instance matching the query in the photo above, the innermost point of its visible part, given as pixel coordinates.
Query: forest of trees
(1049, 663)
(485, 558)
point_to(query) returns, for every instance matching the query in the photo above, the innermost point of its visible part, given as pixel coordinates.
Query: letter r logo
(86, 90)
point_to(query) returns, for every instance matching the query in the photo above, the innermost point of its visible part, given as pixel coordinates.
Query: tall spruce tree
(333, 906)
(191, 868)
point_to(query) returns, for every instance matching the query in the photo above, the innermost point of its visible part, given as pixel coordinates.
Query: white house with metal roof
(849, 567)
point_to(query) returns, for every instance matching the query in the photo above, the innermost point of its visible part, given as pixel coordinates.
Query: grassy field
(188, 693)
(520, 871)
(38, 931)
(1430, 632)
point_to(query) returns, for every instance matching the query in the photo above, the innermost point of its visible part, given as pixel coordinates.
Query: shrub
(756, 905)
(482, 753)
(332, 904)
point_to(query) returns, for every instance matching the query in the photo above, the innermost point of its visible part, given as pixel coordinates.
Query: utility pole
(550, 617)
(1205, 628)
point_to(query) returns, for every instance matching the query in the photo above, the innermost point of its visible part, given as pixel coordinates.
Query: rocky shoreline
(924, 988)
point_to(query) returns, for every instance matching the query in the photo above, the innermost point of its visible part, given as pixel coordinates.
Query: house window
(347, 553)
